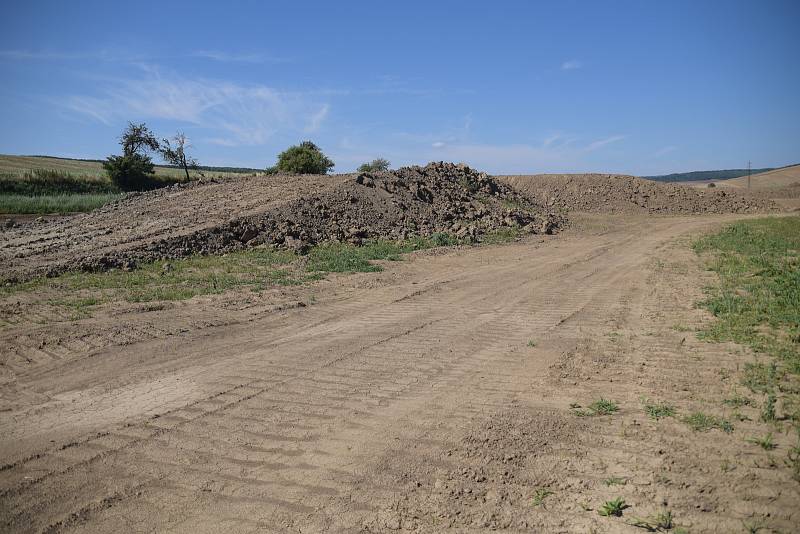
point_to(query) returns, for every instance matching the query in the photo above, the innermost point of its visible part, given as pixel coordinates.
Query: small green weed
(659, 523)
(598, 407)
(613, 507)
(737, 401)
(615, 481)
(540, 495)
(768, 411)
(765, 443)
(659, 410)
(531, 343)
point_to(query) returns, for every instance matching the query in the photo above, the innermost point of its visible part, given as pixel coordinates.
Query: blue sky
(636, 87)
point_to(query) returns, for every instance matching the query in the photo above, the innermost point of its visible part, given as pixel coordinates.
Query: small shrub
(134, 172)
(375, 165)
(305, 158)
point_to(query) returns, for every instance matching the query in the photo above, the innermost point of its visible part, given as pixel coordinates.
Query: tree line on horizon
(134, 170)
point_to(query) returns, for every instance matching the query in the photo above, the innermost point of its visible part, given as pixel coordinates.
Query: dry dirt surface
(440, 394)
(285, 211)
(612, 193)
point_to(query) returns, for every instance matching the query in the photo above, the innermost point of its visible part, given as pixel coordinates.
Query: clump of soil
(628, 194)
(292, 212)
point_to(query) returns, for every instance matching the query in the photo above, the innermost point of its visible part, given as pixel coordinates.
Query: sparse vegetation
(540, 495)
(375, 165)
(737, 401)
(702, 422)
(659, 410)
(765, 442)
(659, 523)
(613, 507)
(598, 407)
(615, 481)
(342, 257)
(305, 158)
(531, 343)
(768, 411)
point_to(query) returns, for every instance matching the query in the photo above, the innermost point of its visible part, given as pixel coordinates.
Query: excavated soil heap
(284, 211)
(628, 194)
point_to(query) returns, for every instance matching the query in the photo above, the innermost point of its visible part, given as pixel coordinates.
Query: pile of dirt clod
(628, 194)
(285, 211)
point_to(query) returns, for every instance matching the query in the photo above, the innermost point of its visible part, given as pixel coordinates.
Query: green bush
(305, 158)
(375, 165)
(133, 172)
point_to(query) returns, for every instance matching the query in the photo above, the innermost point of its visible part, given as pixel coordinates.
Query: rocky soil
(628, 194)
(292, 212)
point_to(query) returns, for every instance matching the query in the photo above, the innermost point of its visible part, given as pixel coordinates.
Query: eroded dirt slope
(434, 396)
(285, 211)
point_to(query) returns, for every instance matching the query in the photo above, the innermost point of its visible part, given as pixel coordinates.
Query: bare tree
(176, 155)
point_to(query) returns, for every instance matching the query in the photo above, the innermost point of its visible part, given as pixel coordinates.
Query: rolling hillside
(17, 166)
(782, 177)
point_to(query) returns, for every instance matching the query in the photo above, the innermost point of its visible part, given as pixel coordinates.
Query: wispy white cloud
(316, 120)
(664, 151)
(228, 57)
(571, 65)
(438, 144)
(239, 114)
(49, 55)
(600, 143)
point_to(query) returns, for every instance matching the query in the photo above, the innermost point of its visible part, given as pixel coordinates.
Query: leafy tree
(133, 170)
(305, 158)
(375, 165)
(177, 155)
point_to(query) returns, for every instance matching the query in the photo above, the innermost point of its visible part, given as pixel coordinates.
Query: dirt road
(434, 395)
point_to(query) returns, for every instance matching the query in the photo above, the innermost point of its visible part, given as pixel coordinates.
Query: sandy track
(314, 418)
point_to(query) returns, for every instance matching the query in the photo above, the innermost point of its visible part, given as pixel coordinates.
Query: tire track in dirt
(286, 416)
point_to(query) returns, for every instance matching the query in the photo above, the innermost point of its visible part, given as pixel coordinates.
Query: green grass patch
(757, 301)
(702, 422)
(61, 203)
(598, 407)
(658, 411)
(757, 304)
(347, 258)
(175, 280)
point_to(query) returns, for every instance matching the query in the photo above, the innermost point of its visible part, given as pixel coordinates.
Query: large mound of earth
(284, 211)
(628, 194)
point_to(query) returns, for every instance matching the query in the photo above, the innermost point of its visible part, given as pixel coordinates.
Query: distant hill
(782, 177)
(696, 176)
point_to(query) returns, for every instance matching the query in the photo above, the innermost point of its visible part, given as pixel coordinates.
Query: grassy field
(40, 184)
(61, 203)
(757, 304)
